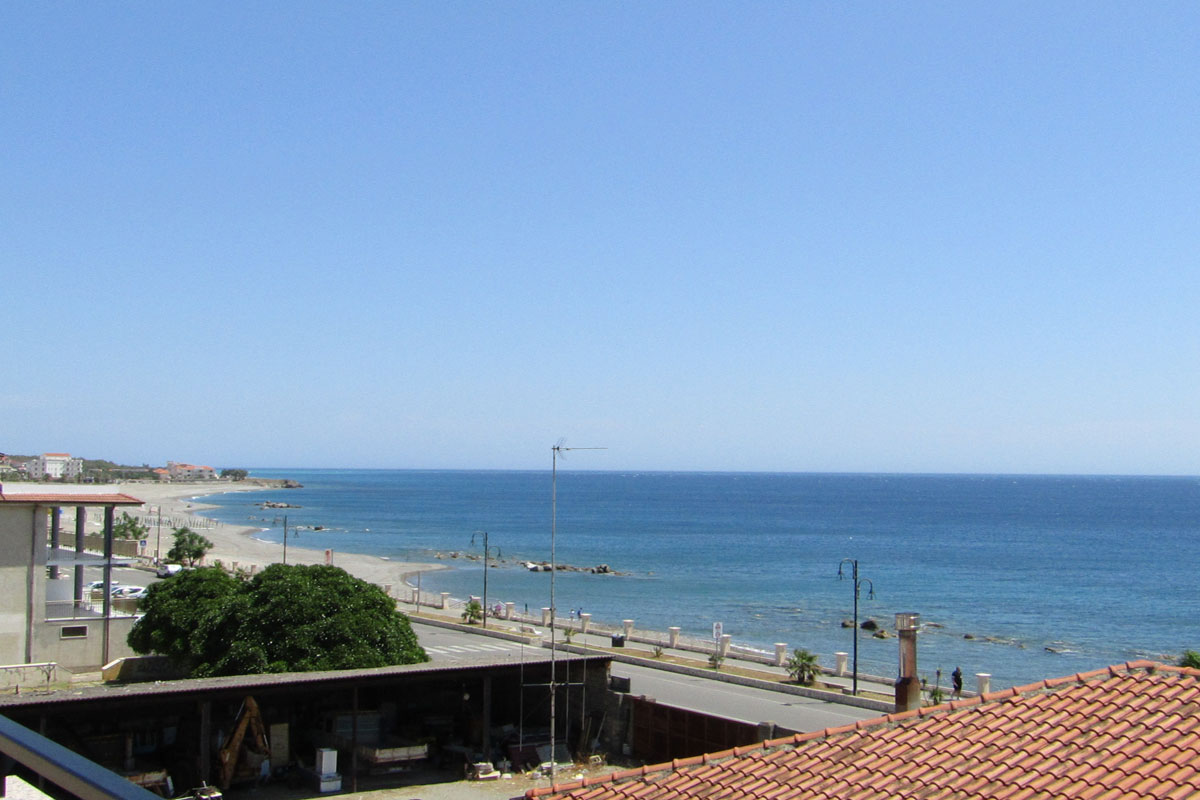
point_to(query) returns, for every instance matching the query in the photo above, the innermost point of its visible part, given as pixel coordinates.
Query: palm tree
(802, 666)
(472, 612)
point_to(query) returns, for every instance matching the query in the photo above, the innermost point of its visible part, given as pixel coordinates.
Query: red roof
(1130, 731)
(68, 499)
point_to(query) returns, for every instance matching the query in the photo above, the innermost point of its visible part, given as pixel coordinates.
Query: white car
(129, 591)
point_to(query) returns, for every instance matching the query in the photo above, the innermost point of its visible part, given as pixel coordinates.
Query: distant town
(65, 468)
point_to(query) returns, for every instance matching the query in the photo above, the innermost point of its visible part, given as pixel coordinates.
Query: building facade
(190, 472)
(56, 466)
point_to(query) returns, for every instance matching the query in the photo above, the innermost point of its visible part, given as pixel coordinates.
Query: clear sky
(936, 237)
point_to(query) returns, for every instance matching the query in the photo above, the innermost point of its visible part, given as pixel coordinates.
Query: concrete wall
(87, 652)
(17, 525)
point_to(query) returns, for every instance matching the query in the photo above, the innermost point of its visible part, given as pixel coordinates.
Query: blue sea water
(1051, 575)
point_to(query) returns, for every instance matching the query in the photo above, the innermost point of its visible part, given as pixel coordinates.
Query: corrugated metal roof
(247, 683)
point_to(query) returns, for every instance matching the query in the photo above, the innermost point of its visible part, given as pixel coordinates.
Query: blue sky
(956, 237)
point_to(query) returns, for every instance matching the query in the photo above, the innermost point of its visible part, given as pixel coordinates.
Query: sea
(1020, 577)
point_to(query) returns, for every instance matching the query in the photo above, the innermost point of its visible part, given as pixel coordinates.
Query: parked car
(167, 570)
(129, 591)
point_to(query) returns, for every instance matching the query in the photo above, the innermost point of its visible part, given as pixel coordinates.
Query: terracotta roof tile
(1130, 731)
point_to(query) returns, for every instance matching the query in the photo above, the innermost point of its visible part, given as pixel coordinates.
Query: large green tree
(181, 616)
(292, 618)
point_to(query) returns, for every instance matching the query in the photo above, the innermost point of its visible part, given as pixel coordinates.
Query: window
(73, 632)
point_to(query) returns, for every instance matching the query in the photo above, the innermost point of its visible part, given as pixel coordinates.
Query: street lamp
(486, 554)
(858, 582)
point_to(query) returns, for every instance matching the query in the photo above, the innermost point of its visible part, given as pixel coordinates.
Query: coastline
(238, 545)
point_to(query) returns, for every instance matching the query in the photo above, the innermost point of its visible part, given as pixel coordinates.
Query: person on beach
(956, 676)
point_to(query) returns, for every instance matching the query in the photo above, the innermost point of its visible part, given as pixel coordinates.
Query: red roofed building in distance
(1129, 731)
(190, 472)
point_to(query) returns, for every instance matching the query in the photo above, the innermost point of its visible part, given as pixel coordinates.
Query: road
(682, 691)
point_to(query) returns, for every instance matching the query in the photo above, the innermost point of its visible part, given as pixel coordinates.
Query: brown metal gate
(661, 733)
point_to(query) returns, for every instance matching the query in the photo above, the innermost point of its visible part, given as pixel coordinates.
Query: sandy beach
(238, 545)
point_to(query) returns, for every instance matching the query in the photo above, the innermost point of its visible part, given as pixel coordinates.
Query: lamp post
(858, 582)
(486, 555)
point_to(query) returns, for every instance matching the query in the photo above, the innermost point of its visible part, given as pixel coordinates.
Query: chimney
(908, 686)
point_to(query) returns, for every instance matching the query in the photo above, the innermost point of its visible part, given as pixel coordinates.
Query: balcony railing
(69, 771)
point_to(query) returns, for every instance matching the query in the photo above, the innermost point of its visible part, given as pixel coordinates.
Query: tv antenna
(558, 451)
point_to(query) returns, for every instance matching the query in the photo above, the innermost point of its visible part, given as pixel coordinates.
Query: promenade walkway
(668, 650)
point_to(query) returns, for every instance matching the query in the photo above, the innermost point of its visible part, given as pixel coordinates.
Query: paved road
(738, 702)
(683, 691)
(449, 646)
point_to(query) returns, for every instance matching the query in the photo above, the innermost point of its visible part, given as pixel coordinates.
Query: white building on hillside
(55, 465)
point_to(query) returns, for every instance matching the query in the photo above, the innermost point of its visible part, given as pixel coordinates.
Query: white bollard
(545, 617)
(984, 682)
(673, 636)
(780, 653)
(843, 662)
(628, 624)
(584, 619)
(726, 638)
(445, 600)
(508, 610)
(416, 597)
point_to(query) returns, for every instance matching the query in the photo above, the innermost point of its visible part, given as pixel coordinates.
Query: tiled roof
(68, 499)
(1130, 731)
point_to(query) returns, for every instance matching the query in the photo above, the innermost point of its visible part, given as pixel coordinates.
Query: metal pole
(553, 571)
(854, 687)
(285, 538)
(158, 539)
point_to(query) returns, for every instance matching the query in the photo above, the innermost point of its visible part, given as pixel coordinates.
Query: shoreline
(238, 545)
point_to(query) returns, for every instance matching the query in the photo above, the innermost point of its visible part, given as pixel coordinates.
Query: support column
(628, 625)
(780, 653)
(80, 532)
(726, 638)
(445, 600)
(354, 740)
(673, 636)
(486, 745)
(508, 610)
(546, 617)
(983, 682)
(55, 525)
(37, 536)
(205, 765)
(843, 661)
(108, 554)
(584, 619)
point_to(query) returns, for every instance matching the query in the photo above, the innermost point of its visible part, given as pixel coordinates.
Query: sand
(234, 544)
